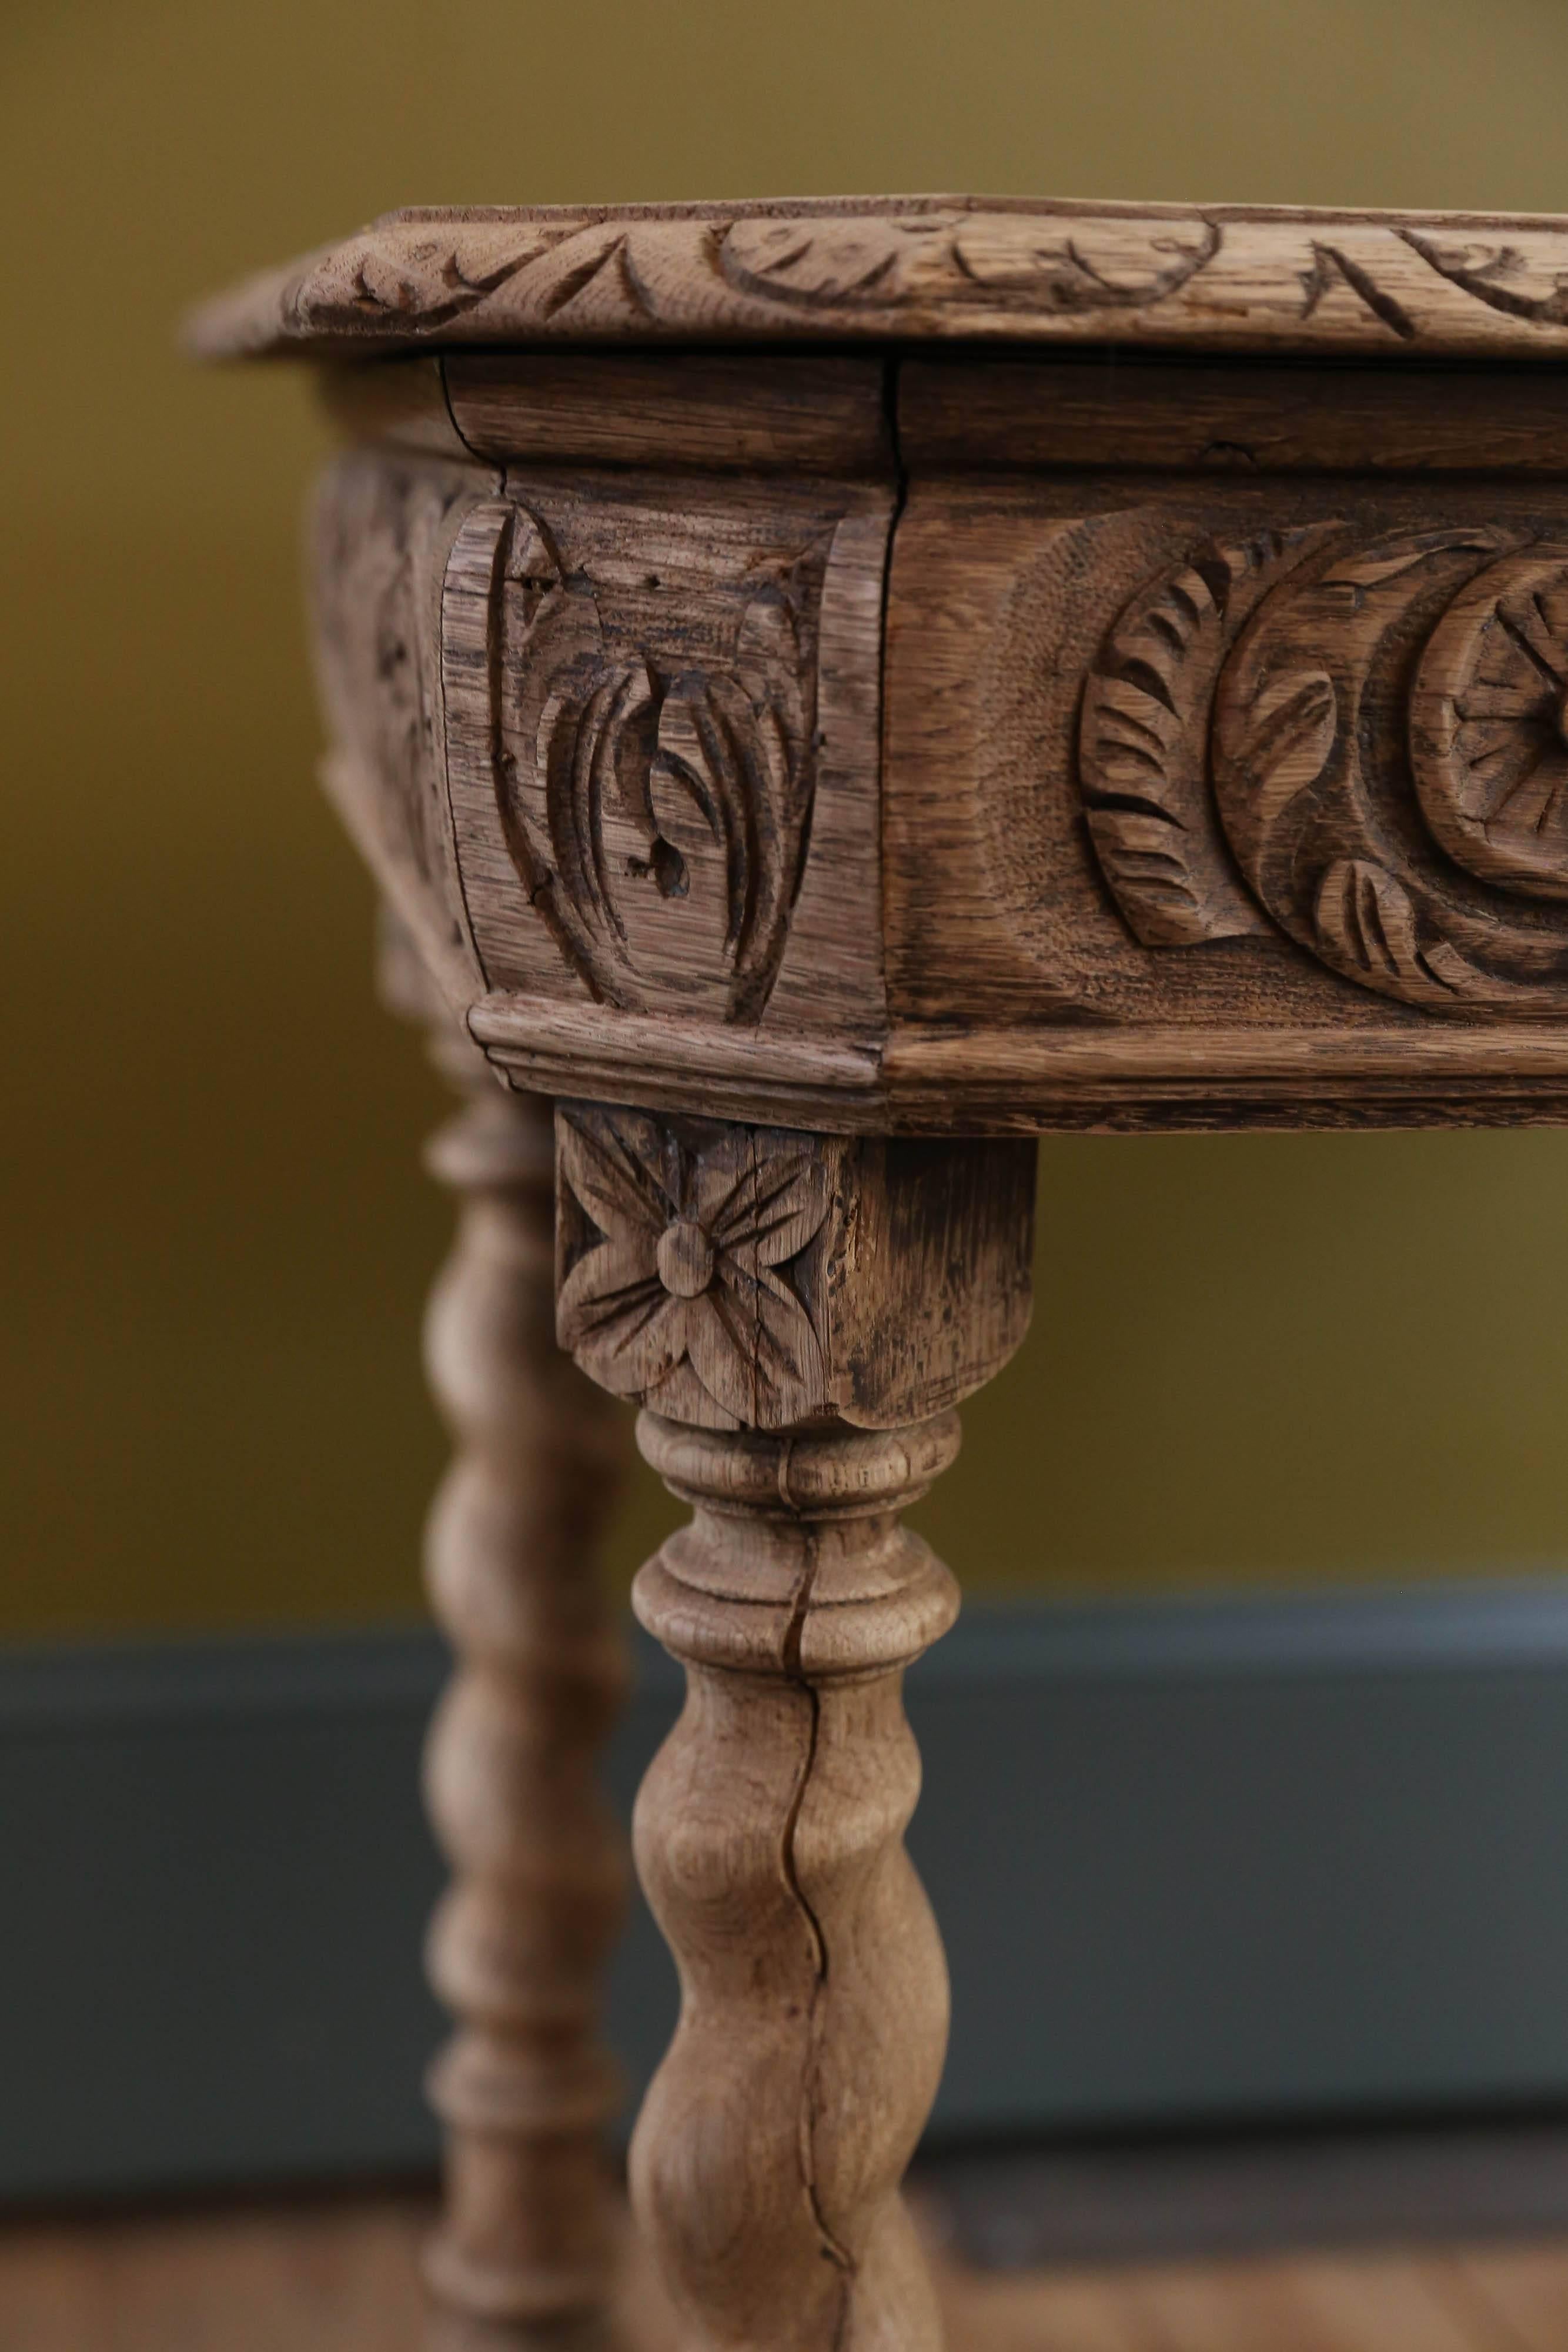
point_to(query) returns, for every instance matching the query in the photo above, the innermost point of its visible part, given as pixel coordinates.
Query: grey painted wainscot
(1197, 1862)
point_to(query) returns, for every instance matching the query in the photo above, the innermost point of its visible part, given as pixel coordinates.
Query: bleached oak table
(829, 690)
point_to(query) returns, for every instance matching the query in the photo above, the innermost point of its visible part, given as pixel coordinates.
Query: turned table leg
(525, 2252)
(800, 1313)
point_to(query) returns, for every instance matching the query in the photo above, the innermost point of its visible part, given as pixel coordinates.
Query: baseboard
(1296, 2192)
(1193, 1862)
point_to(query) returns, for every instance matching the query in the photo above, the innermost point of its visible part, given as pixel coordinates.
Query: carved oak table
(828, 691)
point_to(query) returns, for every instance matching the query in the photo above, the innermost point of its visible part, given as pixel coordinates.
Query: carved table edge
(946, 1078)
(1027, 270)
(593, 1038)
(936, 1053)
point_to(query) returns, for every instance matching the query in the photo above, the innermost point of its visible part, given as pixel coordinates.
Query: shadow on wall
(1263, 1358)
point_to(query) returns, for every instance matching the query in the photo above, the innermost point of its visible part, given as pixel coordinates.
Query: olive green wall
(1253, 1359)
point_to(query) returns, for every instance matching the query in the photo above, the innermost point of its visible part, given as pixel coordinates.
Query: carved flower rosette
(1361, 744)
(678, 1239)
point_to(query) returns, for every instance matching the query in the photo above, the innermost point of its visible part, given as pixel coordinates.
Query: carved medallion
(1371, 756)
(1488, 725)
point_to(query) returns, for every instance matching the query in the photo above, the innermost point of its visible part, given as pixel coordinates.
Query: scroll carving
(1362, 743)
(1224, 276)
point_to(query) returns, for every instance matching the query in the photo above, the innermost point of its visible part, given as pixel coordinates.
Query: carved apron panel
(1252, 702)
(383, 529)
(662, 710)
(1292, 755)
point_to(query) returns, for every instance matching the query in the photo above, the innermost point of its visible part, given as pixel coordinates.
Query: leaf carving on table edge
(420, 280)
(1482, 280)
(754, 256)
(1064, 279)
(1330, 265)
(857, 264)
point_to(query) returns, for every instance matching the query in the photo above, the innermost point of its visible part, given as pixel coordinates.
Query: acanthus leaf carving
(1380, 748)
(1144, 739)
(383, 535)
(422, 280)
(655, 767)
(1304, 769)
(1366, 928)
(1292, 727)
(1500, 275)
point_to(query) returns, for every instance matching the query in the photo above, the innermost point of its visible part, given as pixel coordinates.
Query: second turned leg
(525, 2252)
(800, 1313)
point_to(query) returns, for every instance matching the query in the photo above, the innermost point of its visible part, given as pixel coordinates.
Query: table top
(1216, 277)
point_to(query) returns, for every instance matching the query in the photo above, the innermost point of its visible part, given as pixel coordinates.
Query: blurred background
(1256, 1361)
(1302, 1394)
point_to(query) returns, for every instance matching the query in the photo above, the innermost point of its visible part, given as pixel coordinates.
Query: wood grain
(743, 1278)
(526, 2246)
(1348, 2304)
(1521, 2290)
(339, 2275)
(1163, 757)
(383, 528)
(401, 403)
(951, 1077)
(796, 681)
(716, 411)
(803, 1313)
(332, 2278)
(1152, 799)
(662, 705)
(1235, 278)
(768, 1832)
(1118, 409)
(662, 1062)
